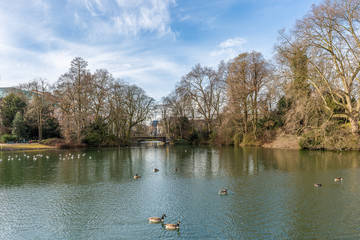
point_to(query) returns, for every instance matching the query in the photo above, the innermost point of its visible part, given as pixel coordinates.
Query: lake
(92, 193)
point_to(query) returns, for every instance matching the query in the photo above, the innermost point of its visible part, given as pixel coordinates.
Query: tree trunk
(40, 125)
(354, 121)
(128, 134)
(78, 135)
(245, 116)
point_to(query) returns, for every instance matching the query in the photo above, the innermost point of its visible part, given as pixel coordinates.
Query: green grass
(23, 146)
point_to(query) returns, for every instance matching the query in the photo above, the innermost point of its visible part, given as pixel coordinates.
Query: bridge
(151, 138)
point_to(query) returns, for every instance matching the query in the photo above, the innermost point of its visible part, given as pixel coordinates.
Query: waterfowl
(157, 219)
(223, 191)
(171, 226)
(176, 169)
(156, 170)
(137, 176)
(317, 184)
(338, 179)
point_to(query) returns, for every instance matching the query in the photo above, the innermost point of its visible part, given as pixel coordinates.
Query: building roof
(6, 90)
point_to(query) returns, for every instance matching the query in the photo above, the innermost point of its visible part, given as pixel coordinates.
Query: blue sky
(150, 43)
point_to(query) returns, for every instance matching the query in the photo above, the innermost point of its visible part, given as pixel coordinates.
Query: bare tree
(248, 73)
(117, 115)
(181, 110)
(129, 107)
(239, 89)
(330, 31)
(206, 89)
(137, 107)
(165, 110)
(72, 92)
(99, 93)
(38, 89)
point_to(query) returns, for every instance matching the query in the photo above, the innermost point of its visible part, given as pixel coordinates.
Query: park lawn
(24, 146)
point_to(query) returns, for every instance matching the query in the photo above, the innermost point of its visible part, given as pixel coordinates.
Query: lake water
(91, 194)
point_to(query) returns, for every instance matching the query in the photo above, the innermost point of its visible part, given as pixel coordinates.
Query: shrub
(93, 139)
(52, 141)
(97, 133)
(182, 142)
(194, 137)
(249, 139)
(330, 137)
(8, 138)
(237, 139)
(112, 141)
(312, 139)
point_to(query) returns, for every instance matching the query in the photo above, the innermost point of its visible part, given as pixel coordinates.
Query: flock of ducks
(19, 157)
(168, 226)
(171, 226)
(338, 179)
(36, 157)
(137, 176)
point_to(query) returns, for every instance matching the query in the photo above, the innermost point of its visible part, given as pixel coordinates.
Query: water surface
(91, 194)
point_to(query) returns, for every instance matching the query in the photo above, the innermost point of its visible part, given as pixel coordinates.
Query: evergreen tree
(11, 104)
(19, 127)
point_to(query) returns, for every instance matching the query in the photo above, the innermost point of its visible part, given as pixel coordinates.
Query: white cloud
(126, 17)
(95, 7)
(233, 42)
(229, 48)
(36, 42)
(145, 69)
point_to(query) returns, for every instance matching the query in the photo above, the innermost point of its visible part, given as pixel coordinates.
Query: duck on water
(157, 219)
(171, 226)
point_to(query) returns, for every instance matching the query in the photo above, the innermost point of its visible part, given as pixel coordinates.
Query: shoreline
(286, 142)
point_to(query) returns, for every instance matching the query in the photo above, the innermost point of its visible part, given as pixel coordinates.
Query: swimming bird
(137, 176)
(171, 226)
(156, 170)
(157, 219)
(317, 184)
(223, 192)
(338, 179)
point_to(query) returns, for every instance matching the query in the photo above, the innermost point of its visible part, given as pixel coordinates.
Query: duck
(156, 170)
(157, 219)
(223, 191)
(317, 184)
(171, 226)
(137, 176)
(338, 179)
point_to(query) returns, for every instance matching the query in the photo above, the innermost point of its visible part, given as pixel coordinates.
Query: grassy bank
(24, 146)
(284, 141)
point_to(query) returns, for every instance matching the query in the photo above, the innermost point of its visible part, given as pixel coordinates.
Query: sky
(150, 43)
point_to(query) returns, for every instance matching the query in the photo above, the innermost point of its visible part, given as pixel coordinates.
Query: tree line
(309, 89)
(91, 108)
